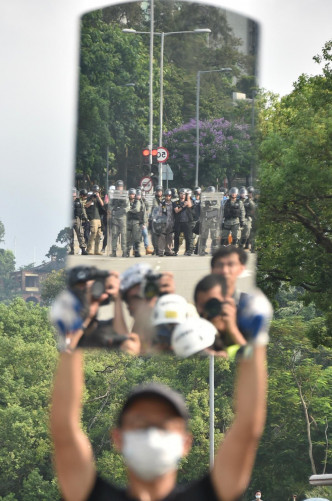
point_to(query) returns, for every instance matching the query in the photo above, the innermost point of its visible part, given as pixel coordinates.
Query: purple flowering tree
(225, 150)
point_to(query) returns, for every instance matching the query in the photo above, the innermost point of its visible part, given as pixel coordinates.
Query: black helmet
(197, 190)
(251, 189)
(132, 191)
(167, 192)
(174, 192)
(119, 183)
(83, 192)
(95, 187)
(182, 190)
(211, 189)
(159, 188)
(234, 191)
(243, 192)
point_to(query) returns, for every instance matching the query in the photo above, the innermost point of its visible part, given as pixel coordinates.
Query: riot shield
(159, 220)
(210, 222)
(117, 219)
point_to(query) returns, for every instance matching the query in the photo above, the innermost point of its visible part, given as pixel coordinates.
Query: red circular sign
(146, 184)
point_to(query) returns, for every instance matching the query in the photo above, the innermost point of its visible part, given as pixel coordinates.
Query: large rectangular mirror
(165, 161)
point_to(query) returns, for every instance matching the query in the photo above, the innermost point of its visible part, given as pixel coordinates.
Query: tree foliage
(114, 81)
(225, 151)
(295, 206)
(7, 266)
(53, 284)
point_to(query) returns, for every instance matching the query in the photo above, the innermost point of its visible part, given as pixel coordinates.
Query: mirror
(165, 131)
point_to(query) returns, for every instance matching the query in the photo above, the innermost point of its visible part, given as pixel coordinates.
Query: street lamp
(197, 114)
(162, 36)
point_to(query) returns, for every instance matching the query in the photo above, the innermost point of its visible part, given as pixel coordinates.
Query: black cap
(159, 391)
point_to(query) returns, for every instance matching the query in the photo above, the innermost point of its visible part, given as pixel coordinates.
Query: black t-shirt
(201, 490)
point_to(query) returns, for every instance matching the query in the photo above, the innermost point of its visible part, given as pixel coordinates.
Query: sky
(39, 50)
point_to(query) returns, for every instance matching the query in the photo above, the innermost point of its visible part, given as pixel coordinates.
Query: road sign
(146, 184)
(162, 154)
(167, 173)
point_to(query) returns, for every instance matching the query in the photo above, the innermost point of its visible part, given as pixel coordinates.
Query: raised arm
(236, 455)
(73, 455)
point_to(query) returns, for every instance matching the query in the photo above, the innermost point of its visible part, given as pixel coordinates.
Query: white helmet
(193, 336)
(133, 276)
(111, 188)
(170, 309)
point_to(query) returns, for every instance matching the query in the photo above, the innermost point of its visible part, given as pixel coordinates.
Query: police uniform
(234, 215)
(118, 213)
(79, 215)
(249, 207)
(210, 217)
(134, 226)
(94, 212)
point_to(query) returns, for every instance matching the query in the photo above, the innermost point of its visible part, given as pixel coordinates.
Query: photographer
(140, 288)
(152, 435)
(74, 312)
(214, 303)
(95, 209)
(183, 220)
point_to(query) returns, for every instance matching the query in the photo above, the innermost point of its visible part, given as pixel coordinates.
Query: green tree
(53, 284)
(295, 244)
(296, 441)
(2, 232)
(7, 266)
(27, 362)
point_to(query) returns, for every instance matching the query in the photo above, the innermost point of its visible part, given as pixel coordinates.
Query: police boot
(137, 254)
(113, 254)
(84, 252)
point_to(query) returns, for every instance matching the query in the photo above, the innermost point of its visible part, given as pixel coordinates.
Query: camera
(150, 286)
(82, 274)
(213, 308)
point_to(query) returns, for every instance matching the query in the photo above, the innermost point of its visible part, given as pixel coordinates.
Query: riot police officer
(96, 207)
(85, 222)
(210, 220)
(133, 223)
(156, 203)
(234, 215)
(182, 221)
(249, 207)
(119, 206)
(196, 213)
(79, 215)
(166, 221)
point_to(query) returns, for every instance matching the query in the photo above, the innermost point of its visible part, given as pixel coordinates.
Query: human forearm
(67, 395)
(119, 323)
(250, 393)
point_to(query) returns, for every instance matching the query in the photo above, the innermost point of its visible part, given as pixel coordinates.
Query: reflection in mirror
(165, 168)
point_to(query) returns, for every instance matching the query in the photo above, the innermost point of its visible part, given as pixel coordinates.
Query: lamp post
(197, 114)
(162, 36)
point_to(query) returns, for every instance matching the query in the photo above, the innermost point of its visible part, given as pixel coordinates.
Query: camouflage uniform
(249, 207)
(134, 233)
(118, 207)
(234, 215)
(79, 215)
(210, 223)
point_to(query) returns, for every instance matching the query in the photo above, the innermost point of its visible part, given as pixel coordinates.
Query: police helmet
(83, 192)
(251, 189)
(211, 189)
(138, 192)
(74, 191)
(119, 183)
(174, 192)
(132, 191)
(159, 188)
(189, 191)
(95, 187)
(243, 192)
(167, 192)
(197, 190)
(111, 188)
(182, 190)
(234, 191)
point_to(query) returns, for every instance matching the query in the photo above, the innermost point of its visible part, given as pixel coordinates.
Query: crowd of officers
(228, 217)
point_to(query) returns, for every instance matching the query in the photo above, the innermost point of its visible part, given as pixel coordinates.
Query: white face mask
(258, 496)
(151, 453)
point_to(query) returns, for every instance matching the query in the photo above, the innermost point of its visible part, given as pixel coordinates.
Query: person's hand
(167, 283)
(112, 284)
(132, 345)
(185, 203)
(220, 354)
(229, 314)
